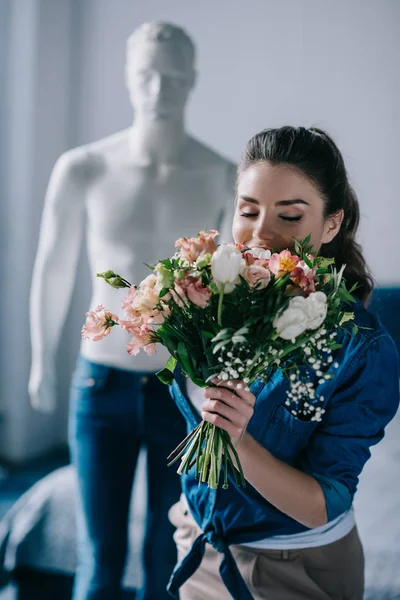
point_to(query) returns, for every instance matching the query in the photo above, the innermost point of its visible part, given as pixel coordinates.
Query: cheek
(316, 229)
(240, 229)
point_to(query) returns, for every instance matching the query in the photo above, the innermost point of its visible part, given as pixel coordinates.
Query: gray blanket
(39, 531)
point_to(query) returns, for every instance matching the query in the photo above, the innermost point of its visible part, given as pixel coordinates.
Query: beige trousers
(331, 572)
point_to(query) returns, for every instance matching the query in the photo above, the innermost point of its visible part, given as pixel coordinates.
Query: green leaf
(184, 359)
(218, 346)
(336, 346)
(354, 331)
(207, 334)
(163, 292)
(347, 316)
(199, 382)
(151, 267)
(307, 261)
(325, 262)
(171, 364)
(354, 287)
(165, 376)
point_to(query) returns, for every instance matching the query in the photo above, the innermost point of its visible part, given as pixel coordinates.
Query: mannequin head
(159, 71)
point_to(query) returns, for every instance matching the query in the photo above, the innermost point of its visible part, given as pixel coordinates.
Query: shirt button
(90, 382)
(144, 379)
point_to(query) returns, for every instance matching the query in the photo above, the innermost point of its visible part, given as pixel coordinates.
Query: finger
(233, 430)
(231, 414)
(228, 397)
(239, 387)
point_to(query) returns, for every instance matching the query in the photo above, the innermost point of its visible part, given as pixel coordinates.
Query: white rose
(317, 309)
(226, 263)
(294, 320)
(261, 253)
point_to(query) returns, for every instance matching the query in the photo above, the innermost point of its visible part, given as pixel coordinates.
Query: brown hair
(316, 156)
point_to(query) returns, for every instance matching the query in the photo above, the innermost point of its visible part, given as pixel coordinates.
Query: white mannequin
(140, 189)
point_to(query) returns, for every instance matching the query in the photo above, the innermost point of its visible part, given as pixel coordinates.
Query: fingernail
(230, 383)
(247, 389)
(239, 386)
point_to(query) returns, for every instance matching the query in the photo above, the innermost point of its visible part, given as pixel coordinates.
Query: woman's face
(276, 204)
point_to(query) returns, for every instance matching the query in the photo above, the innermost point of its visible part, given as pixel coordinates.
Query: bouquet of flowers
(229, 312)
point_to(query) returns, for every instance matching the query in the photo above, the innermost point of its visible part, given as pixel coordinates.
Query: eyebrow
(280, 203)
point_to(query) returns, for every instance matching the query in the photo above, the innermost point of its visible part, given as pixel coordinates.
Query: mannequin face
(159, 79)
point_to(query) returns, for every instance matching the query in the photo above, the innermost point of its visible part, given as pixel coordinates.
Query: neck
(159, 142)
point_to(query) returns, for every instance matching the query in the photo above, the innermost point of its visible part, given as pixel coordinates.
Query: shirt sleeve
(366, 400)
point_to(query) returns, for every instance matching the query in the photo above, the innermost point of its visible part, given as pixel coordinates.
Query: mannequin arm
(229, 208)
(54, 272)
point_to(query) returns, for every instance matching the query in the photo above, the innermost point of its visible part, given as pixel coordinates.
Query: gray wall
(334, 64)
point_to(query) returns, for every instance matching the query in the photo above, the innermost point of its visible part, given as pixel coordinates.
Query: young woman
(291, 533)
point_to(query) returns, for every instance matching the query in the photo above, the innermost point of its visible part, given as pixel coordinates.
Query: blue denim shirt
(359, 401)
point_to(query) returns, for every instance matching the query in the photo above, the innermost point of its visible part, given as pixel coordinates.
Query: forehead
(162, 56)
(270, 183)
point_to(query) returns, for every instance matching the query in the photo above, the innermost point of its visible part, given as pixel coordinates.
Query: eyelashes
(289, 219)
(292, 219)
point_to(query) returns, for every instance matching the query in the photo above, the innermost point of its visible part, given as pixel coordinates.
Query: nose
(263, 233)
(158, 84)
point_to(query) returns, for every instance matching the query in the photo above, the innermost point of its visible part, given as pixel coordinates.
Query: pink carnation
(282, 263)
(141, 302)
(142, 339)
(98, 325)
(129, 302)
(192, 248)
(256, 274)
(132, 325)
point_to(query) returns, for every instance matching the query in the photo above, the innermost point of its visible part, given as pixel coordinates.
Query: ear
(332, 226)
(193, 80)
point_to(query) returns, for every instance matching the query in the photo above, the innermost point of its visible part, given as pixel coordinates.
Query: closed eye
(292, 219)
(249, 215)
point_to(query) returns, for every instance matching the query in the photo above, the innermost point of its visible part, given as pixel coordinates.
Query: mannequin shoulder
(79, 165)
(88, 162)
(199, 155)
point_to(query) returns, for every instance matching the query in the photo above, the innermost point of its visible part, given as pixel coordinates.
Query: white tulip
(226, 263)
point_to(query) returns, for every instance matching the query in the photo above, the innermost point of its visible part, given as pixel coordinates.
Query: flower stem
(187, 458)
(221, 297)
(183, 444)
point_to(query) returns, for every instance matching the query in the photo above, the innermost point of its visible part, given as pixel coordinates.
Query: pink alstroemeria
(192, 248)
(282, 263)
(99, 323)
(304, 277)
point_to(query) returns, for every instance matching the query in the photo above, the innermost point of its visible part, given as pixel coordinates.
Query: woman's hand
(229, 407)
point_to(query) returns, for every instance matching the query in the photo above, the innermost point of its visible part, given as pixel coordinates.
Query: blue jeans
(113, 414)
